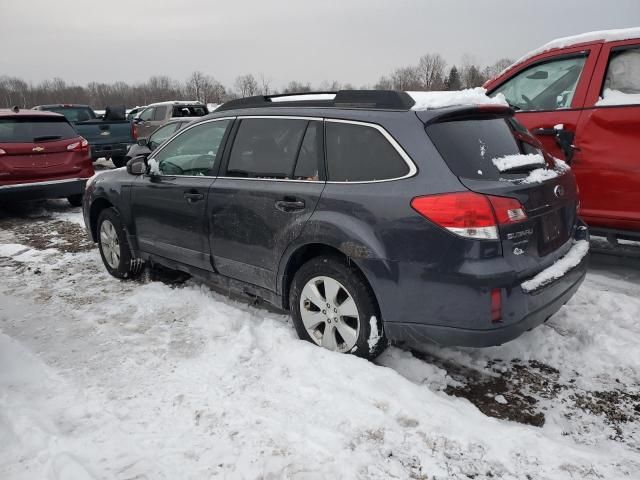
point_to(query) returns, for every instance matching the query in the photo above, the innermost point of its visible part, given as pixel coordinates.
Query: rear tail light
(81, 146)
(134, 131)
(469, 214)
(2, 152)
(496, 305)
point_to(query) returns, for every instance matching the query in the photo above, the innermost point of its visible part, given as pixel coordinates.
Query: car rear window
(35, 129)
(470, 146)
(74, 114)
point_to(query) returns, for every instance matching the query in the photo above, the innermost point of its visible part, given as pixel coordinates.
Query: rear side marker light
(2, 152)
(470, 214)
(496, 305)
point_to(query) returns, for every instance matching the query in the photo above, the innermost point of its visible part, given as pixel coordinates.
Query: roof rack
(374, 99)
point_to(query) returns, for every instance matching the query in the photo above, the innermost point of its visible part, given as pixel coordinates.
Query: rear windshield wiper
(44, 138)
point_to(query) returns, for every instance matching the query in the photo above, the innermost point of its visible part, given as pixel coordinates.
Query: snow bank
(560, 268)
(616, 97)
(510, 162)
(470, 96)
(605, 35)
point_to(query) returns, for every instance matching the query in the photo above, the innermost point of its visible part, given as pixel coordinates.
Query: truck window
(160, 113)
(623, 72)
(147, 114)
(549, 85)
(74, 114)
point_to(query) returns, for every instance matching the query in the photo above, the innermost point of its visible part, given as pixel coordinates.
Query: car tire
(350, 314)
(114, 247)
(75, 200)
(119, 162)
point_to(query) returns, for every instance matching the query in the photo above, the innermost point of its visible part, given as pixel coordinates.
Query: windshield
(35, 129)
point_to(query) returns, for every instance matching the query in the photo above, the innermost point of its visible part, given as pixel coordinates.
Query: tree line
(431, 72)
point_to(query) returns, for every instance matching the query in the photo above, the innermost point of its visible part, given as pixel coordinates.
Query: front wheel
(333, 306)
(114, 248)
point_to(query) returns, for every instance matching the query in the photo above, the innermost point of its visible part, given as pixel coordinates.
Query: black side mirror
(137, 165)
(142, 142)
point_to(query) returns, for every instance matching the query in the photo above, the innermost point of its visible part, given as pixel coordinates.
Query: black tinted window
(469, 146)
(309, 158)
(34, 129)
(266, 148)
(360, 153)
(189, 111)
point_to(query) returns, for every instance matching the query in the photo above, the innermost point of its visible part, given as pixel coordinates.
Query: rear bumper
(551, 298)
(109, 150)
(40, 190)
(423, 306)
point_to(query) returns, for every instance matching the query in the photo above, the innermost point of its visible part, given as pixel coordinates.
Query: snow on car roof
(469, 96)
(599, 35)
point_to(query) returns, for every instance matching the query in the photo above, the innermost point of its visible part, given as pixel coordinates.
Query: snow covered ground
(157, 379)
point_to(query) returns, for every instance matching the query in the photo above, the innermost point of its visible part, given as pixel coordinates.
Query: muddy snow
(165, 378)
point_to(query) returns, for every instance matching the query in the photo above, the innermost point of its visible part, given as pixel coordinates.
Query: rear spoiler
(464, 112)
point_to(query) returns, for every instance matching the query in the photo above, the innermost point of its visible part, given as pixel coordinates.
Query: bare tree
(265, 85)
(491, 71)
(406, 78)
(297, 87)
(196, 85)
(431, 71)
(246, 85)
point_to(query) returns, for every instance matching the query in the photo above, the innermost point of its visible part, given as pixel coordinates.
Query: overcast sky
(353, 41)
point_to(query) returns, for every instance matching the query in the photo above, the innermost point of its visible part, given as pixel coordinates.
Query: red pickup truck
(41, 156)
(581, 96)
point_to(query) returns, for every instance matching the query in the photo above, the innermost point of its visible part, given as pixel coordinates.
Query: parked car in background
(108, 137)
(41, 156)
(157, 114)
(147, 145)
(132, 113)
(364, 213)
(581, 96)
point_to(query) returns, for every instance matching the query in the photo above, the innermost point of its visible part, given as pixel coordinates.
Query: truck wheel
(75, 200)
(333, 306)
(119, 161)
(114, 248)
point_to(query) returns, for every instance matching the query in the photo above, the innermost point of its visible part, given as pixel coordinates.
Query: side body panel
(607, 164)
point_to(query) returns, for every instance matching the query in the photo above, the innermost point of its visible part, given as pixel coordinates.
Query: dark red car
(581, 96)
(41, 156)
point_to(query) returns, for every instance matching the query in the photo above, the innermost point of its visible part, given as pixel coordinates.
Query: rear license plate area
(553, 232)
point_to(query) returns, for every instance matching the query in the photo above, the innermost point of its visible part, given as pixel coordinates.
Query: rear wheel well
(97, 206)
(306, 253)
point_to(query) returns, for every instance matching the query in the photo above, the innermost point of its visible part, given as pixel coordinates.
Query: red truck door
(607, 164)
(549, 90)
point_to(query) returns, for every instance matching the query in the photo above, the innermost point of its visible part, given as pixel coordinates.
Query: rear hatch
(37, 148)
(492, 154)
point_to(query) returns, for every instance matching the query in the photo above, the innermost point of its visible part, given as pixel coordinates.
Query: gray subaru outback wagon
(367, 217)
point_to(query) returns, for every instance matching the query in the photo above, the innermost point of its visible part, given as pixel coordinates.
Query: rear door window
(360, 153)
(623, 76)
(311, 152)
(544, 86)
(470, 147)
(35, 129)
(266, 148)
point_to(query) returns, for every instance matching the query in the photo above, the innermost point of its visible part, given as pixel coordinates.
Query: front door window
(545, 86)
